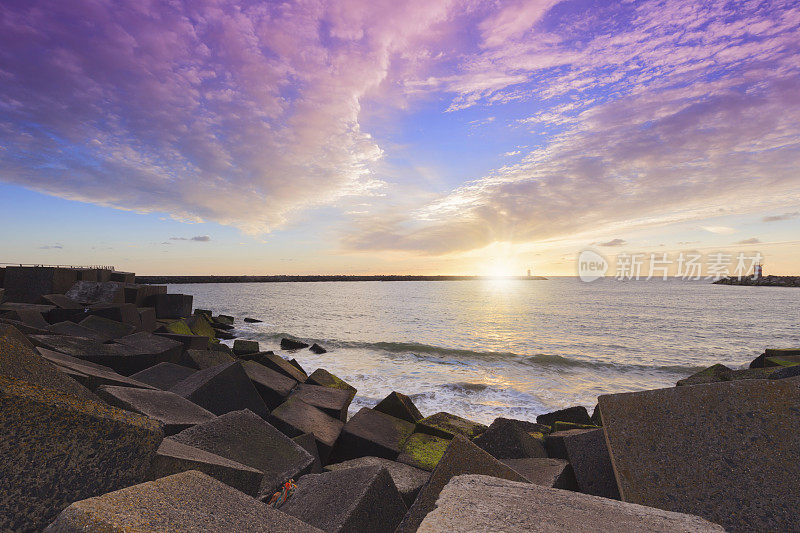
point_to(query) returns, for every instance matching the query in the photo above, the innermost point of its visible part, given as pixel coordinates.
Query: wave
(460, 356)
(466, 387)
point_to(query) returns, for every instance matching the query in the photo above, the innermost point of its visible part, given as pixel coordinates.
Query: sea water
(514, 348)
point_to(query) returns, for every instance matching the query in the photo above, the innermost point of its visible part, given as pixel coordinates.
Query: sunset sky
(376, 136)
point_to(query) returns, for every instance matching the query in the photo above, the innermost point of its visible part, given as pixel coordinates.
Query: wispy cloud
(205, 110)
(779, 218)
(247, 114)
(199, 238)
(752, 240)
(657, 112)
(721, 230)
(614, 242)
(55, 246)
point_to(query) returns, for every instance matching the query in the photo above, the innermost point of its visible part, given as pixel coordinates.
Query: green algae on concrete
(564, 426)
(446, 426)
(788, 360)
(200, 326)
(179, 327)
(324, 378)
(423, 451)
(711, 374)
(58, 448)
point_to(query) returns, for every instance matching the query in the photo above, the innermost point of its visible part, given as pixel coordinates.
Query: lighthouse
(758, 271)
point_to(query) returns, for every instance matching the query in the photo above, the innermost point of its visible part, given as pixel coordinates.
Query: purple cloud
(655, 112)
(220, 110)
(780, 218)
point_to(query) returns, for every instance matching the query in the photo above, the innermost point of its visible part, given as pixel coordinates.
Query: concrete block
(174, 412)
(483, 503)
(553, 473)
(371, 433)
(588, 455)
(147, 318)
(461, 457)
(29, 284)
(121, 358)
(291, 344)
(333, 402)
(507, 438)
(554, 442)
(759, 362)
(173, 457)
(711, 374)
(244, 347)
(729, 452)
(19, 360)
(190, 342)
(138, 294)
(222, 389)
(199, 325)
(163, 376)
(202, 359)
(348, 500)
(22, 327)
(87, 274)
(423, 451)
(170, 305)
(125, 313)
(243, 437)
(295, 417)
(322, 377)
(97, 292)
(273, 387)
(317, 349)
(88, 374)
(190, 501)
(399, 406)
(447, 425)
(276, 363)
(122, 277)
(61, 301)
(577, 415)
(785, 372)
(407, 479)
(75, 330)
(29, 317)
(160, 349)
(58, 448)
(110, 329)
(309, 444)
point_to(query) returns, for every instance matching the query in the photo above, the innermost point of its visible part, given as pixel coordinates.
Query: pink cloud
(215, 110)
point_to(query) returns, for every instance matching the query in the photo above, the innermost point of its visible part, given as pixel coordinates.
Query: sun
(501, 270)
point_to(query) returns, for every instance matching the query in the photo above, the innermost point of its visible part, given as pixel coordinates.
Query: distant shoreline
(279, 279)
(766, 281)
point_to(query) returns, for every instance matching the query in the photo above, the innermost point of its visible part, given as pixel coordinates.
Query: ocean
(514, 348)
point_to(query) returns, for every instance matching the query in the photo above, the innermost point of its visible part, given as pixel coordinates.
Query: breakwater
(764, 281)
(314, 278)
(119, 405)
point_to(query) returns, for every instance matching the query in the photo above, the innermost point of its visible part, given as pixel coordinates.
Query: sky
(397, 137)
